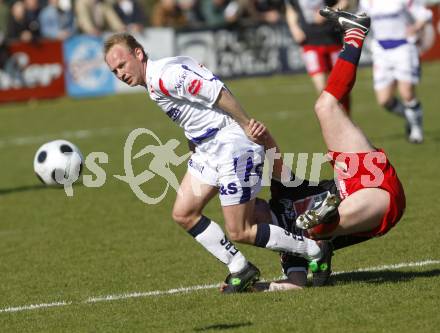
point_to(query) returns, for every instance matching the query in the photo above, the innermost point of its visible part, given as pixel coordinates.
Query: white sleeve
(192, 84)
(418, 10)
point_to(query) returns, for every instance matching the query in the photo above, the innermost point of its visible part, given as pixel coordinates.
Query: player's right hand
(257, 131)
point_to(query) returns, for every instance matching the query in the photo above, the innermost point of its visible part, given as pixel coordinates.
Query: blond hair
(125, 39)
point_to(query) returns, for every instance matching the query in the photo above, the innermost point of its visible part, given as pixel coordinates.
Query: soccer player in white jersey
(395, 25)
(226, 159)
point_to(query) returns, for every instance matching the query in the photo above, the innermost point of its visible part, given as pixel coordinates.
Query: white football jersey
(390, 18)
(187, 91)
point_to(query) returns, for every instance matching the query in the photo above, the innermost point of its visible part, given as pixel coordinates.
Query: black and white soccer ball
(58, 162)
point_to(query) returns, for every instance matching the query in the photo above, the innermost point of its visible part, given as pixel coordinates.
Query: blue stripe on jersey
(209, 133)
(391, 43)
(199, 75)
(246, 195)
(386, 16)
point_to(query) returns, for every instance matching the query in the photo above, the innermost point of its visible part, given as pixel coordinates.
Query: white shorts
(231, 162)
(397, 64)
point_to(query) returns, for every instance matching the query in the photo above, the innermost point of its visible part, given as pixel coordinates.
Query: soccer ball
(58, 162)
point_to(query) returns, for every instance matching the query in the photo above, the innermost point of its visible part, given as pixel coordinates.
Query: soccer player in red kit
(372, 199)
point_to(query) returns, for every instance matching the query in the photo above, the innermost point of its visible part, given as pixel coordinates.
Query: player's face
(126, 65)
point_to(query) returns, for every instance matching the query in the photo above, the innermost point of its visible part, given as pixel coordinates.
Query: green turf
(104, 241)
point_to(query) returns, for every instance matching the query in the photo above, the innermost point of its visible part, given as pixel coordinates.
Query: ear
(139, 54)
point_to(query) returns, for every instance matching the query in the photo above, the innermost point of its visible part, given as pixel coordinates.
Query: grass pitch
(74, 252)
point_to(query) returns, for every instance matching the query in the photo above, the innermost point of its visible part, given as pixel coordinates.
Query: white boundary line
(34, 306)
(388, 267)
(194, 288)
(150, 293)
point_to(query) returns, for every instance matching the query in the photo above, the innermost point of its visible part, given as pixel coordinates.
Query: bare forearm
(228, 103)
(293, 24)
(270, 143)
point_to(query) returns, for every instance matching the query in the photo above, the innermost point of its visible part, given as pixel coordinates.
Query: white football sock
(213, 239)
(281, 240)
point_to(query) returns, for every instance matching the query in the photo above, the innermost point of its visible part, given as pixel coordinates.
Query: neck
(144, 66)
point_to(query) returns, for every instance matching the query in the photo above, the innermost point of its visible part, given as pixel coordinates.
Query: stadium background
(75, 67)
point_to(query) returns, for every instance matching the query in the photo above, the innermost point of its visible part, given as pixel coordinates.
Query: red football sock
(343, 74)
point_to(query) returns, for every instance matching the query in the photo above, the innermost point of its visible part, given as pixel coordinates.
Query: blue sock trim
(351, 54)
(413, 105)
(200, 226)
(263, 234)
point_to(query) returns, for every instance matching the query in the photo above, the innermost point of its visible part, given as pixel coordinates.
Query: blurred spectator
(166, 13)
(96, 16)
(191, 11)
(23, 21)
(4, 11)
(57, 20)
(438, 25)
(318, 38)
(223, 12)
(4, 54)
(131, 14)
(269, 11)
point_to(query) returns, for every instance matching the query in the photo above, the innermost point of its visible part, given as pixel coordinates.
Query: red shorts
(320, 58)
(356, 171)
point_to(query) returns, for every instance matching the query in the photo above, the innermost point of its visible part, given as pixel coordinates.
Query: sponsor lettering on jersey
(230, 188)
(174, 114)
(181, 80)
(196, 166)
(195, 86)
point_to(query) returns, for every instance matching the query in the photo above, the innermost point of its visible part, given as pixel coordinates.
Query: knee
(407, 94)
(386, 103)
(185, 218)
(408, 98)
(324, 105)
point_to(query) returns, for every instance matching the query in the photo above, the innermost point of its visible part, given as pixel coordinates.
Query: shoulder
(161, 72)
(169, 75)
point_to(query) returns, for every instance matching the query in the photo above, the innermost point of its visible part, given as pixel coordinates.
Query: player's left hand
(411, 31)
(257, 131)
